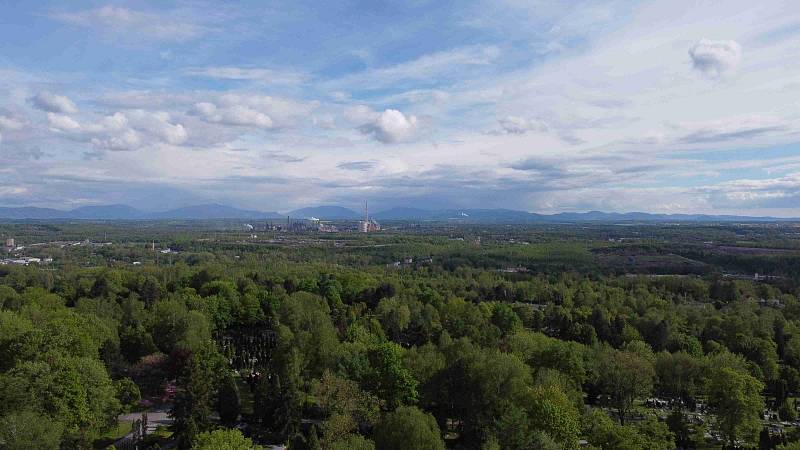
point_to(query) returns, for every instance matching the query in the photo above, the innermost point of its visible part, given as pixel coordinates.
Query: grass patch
(161, 437)
(109, 437)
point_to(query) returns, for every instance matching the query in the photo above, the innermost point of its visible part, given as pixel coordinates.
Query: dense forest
(606, 337)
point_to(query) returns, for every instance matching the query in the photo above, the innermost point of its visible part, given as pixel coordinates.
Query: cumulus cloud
(53, 103)
(159, 126)
(110, 133)
(134, 129)
(146, 25)
(124, 141)
(391, 126)
(479, 96)
(60, 122)
(715, 57)
(9, 123)
(255, 111)
(521, 125)
(237, 115)
(121, 131)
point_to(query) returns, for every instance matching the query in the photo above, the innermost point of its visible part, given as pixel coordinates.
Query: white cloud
(116, 121)
(122, 20)
(736, 128)
(715, 57)
(10, 123)
(627, 90)
(359, 114)
(53, 103)
(12, 190)
(60, 122)
(253, 110)
(122, 131)
(780, 193)
(158, 125)
(237, 115)
(521, 125)
(450, 63)
(391, 126)
(126, 140)
(248, 74)
(279, 109)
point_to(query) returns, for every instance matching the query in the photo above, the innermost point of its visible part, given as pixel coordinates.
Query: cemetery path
(155, 418)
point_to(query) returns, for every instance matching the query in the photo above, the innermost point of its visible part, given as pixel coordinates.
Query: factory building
(368, 225)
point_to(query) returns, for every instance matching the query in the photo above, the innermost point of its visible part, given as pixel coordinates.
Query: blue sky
(546, 106)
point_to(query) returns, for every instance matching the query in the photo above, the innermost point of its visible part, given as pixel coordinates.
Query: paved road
(155, 418)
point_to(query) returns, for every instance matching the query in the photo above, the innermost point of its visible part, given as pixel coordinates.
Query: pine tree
(229, 404)
(195, 394)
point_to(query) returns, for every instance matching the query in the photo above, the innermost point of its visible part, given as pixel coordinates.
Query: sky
(545, 106)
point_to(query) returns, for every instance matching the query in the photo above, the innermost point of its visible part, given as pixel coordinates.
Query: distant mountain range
(216, 211)
(514, 216)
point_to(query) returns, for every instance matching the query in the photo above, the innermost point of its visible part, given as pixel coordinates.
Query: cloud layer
(659, 106)
(146, 25)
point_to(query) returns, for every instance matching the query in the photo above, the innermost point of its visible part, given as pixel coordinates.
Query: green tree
(679, 427)
(77, 392)
(229, 403)
(313, 439)
(277, 397)
(390, 379)
(307, 316)
(678, 375)
(408, 428)
(394, 316)
(791, 352)
(786, 411)
(128, 393)
(553, 413)
(345, 406)
(224, 440)
(602, 432)
(174, 326)
(352, 442)
(655, 435)
(28, 430)
(541, 351)
(504, 318)
(478, 386)
(624, 377)
(196, 394)
(512, 430)
(735, 398)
